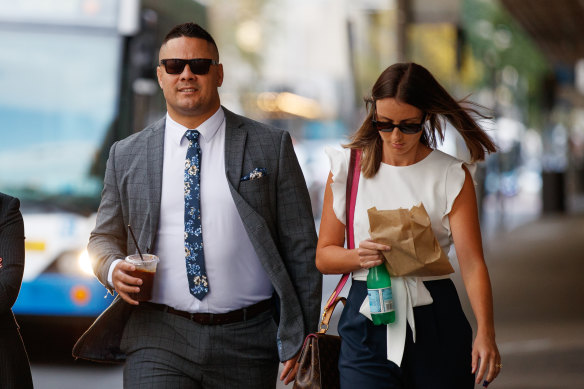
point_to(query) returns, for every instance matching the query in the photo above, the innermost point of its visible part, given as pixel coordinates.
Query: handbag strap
(328, 313)
(352, 186)
(353, 175)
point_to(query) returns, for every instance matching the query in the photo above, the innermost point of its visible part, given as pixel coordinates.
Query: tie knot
(192, 135)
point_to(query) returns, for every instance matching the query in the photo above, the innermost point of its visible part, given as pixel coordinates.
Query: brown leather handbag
(319, 357)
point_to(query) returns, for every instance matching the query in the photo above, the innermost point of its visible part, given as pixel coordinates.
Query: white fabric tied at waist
(408, 292)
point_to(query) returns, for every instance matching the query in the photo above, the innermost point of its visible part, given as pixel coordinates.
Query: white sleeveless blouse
(434, 181)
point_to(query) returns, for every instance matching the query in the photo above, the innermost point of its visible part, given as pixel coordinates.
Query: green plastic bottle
(380, 295)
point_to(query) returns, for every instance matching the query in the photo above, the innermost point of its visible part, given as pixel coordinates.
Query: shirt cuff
(110, 280)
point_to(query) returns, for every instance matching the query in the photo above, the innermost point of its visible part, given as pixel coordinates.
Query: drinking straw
(135, 242)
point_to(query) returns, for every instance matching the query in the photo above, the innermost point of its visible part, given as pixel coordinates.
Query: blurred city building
(557, 29)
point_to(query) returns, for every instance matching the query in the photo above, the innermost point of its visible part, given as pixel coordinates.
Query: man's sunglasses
(406, 128)
(198, 66)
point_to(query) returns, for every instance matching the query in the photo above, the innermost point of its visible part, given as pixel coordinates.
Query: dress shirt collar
(208, 128)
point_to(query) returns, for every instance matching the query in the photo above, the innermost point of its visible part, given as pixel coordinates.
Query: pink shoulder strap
(352, 184)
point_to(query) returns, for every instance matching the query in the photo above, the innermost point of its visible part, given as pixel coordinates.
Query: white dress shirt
(236, 276)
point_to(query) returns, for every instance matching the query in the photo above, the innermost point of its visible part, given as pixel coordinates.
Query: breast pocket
(256, 192)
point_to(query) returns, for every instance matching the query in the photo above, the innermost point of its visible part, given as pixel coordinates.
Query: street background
(304, 66)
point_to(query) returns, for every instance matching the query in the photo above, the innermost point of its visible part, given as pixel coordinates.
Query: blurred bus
(75, 76)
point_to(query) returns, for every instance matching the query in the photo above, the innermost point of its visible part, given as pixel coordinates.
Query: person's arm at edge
(465, 227)
(12, 254)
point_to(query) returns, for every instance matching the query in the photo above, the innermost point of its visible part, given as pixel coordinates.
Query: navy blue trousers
(440, 357)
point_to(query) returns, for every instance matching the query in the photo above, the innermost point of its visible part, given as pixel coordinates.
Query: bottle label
(380, 300)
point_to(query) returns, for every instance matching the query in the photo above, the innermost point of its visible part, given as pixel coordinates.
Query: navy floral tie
(194, 256)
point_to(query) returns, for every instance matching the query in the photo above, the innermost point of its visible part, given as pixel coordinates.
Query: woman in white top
(430, 344)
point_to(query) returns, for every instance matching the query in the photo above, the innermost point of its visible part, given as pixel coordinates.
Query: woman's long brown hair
(412, 84)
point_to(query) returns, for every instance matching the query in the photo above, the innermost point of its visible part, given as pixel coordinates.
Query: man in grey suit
(222, 201)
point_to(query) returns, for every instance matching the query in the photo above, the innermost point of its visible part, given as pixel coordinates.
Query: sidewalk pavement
(537, 274)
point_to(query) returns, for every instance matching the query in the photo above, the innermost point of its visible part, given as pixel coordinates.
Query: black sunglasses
(406, 128)
(198, 66)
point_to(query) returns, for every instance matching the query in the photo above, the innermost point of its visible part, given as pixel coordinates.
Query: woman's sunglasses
(198, 66)
(406, 128)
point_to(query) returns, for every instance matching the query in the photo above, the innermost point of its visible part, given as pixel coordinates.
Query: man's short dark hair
(190, 30)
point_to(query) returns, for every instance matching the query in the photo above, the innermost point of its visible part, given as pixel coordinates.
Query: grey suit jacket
(275, 211)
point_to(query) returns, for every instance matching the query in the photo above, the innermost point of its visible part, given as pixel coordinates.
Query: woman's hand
(485, 359)
(370, 253)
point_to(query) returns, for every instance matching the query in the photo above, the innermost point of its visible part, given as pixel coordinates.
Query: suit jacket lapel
(154, 160)
(235, 136)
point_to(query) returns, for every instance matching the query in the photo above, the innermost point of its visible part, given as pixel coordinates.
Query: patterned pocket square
(258, 172)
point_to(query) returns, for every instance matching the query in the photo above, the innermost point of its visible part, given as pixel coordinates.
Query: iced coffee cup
(145, 270)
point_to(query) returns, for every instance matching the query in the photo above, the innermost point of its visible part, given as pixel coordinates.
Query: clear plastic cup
(145, 270)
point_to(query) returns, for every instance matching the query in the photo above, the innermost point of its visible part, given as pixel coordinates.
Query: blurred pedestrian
(222, 316)
(430, 344)
(14, 366)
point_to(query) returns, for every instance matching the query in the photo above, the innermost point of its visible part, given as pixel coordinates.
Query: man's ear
(159, 75)
(219, 75)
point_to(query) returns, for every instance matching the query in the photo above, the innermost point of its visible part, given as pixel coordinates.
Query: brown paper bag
(415, 251)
